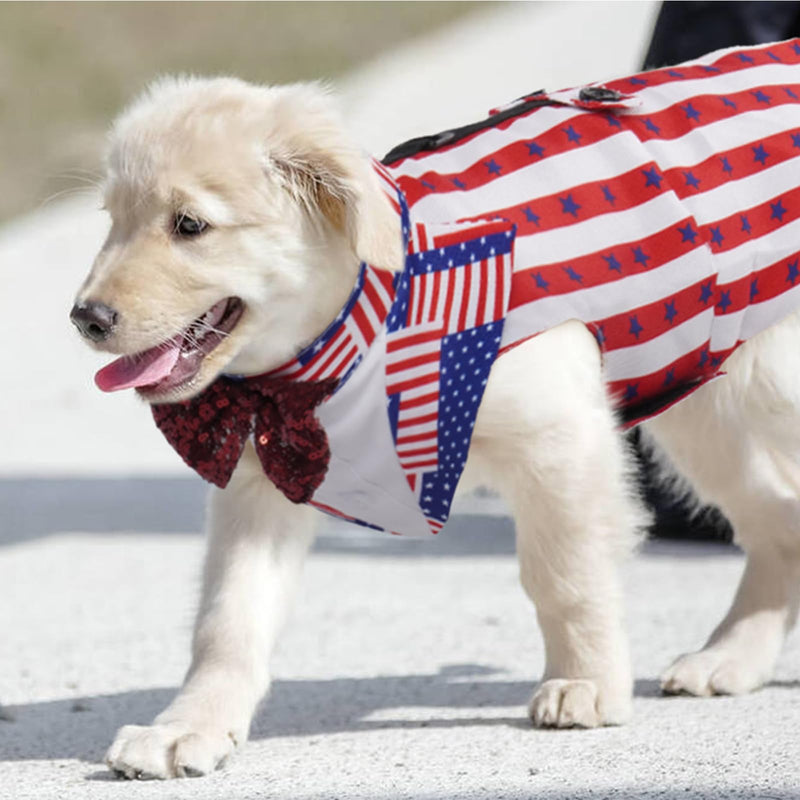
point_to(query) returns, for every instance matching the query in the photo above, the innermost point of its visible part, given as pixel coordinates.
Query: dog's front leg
(256, 547)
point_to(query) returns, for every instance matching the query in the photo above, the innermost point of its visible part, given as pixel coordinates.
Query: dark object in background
(683, 31)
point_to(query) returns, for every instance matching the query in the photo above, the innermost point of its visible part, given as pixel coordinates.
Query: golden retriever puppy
(241, 218)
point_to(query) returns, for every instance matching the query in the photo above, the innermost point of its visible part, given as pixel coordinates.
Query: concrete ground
(406, 667)
(403, 673)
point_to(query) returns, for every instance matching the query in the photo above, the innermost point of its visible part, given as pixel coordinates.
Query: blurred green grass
(67, 68)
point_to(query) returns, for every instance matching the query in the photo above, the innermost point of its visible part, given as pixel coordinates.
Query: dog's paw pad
(559, 703)
(709, 672)
(166, 751)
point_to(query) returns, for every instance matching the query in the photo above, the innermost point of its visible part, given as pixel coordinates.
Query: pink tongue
(141, 370)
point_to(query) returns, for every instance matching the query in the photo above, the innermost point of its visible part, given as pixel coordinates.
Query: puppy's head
(239, 214)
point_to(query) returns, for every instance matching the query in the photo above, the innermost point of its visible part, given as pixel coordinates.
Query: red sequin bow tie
(210, 431)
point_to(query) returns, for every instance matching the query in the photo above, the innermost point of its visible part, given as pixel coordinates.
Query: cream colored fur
(293, 208)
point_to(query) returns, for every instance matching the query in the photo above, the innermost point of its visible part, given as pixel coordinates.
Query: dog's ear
(325, 172)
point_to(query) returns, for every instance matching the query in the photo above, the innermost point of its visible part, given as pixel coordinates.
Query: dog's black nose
(94, 320)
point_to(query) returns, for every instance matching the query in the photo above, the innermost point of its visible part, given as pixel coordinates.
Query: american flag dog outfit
(662, 210)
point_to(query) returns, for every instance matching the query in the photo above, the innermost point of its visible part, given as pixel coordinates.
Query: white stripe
(458, 159)
(750, 128)
(737, 197)
(413, 394)
(384, 298)
(428, 286)
(626, 362)
(474, 272)
(726, 329)
(411, 374)
(657, 98)
(339, 365)
(444, 283)
(488, 291)
(414, 412)
(355, 332)
(761, 316)
(758, 253)
(560, 173)
(598, 302)
(413, 351)
(604, 232)
(458, 297)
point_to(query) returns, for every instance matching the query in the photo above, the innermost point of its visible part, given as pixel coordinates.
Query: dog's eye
(187, 226)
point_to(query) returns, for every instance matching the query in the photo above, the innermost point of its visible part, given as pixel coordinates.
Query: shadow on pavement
(83, 727)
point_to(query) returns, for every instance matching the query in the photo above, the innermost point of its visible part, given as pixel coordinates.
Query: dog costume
(662, 210)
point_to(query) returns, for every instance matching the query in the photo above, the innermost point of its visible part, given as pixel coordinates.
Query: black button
(599, 94)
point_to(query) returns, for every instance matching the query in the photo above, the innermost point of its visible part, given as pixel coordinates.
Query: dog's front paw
(169, 750)
(577, 703)
(710, 672)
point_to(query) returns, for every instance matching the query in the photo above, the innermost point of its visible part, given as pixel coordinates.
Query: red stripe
(400, 342)
(417, 464)
(422, 451)
(333, 355)
(595, 268)
(410, 422)
(378, 305)
(771, 281)
(360, 318)
(419, 437)
(437, 285)
(483, 300)
(421, 401)
(410, 363)
(422, 234)
(464, 299)
(499, 289)
(414, 383)
(386, 278)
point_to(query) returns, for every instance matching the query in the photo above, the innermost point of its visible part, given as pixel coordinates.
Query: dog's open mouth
(176, 361)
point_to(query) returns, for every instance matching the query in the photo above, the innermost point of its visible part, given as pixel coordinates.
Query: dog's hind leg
(257, 544)
(547, 439)
(738, 441)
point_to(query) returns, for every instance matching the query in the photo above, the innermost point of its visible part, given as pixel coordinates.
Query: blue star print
(746, 227)
(777, 211)
(794, 272)
(688, 233)
(746, 58)
(535, 149)
(728, 102)
(531, 216)
(706, 293)
(760, 154)
(691, 179)
(761, 97)
(796, 140)
(569, 206)
(573, 276)
(493, 167)
(724, 301)
(691, 112)
(600, 335)
(636, 327)
(611, 259)
(572, 134)
(459, 183)
(651, 126)
(669, 377)
(631, 392)
(703, 357)
(541, 282)
(609, 196)
(670, 312)
(673, 73)
(716, 236)
(653, 178)
(790, 92)
(640, 257)
(753, 289)
(726, 167)
(638, 81)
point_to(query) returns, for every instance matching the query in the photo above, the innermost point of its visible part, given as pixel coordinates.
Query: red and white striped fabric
(666, 217)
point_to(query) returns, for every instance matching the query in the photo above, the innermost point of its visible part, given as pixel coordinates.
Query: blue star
(709, 68)
(728, 102)
(745, 58)
(691, 179)
(724, 301)
(761, 97)
(688, 233)
(569, 206)
(716, 361)
(636, 328)
(631, 392)
(541, 282)
(669, 377)
(534, 149)
(638, 81)
(572, 134)
(703, 357)
(612, 262)
(573, 276)
(716, 236)
(796, 48)
(706, 293)
(794, 272)
(459, 184)
(791, 93)
(795, 139)
(691, 112)
(609, 196)
(777, 211)
(428, 185)
(600, 334)
(753, 289)
(670, 312)
(653, 178)
(726, 167)
(613, 121)
(746, 227)
(673, 73)
(640, 257)
(651, 126)
(760, 154)
(493, 167)
(773, 56)
(530, 216)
